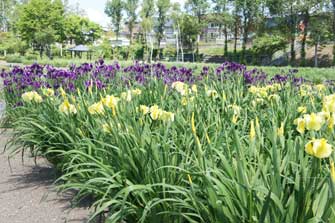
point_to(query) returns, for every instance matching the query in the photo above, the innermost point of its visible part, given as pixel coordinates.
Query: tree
(249, 10)
(286, 14)
(114, 9)
(306, 8)
(197, 8)
(190, 29)
(7, 9)
(40, 23)
(236, 25)
(223, 18)
(319, 28)
(11, 44)
(80, 30)
(176, 16)
(162, 9)
(130, 8)
(147, 12)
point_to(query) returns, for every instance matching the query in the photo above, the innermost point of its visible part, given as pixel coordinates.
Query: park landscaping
(165, 143)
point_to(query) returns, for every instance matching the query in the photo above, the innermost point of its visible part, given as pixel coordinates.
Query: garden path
(27, 193)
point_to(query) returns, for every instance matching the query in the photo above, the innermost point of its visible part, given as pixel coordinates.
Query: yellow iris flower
(318, 148)
(280, 130)
(48, 92)
(300, 122)
(110, 101)
(67, 108)
(313, 121)
(96, 108)
(234, 119)
(332, 171)
(144, 109)
(155, 112)
(181, 87)
(302, 109)
(252, 133)
(32, 96)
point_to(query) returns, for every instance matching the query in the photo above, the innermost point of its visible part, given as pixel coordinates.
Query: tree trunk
(198, 37)
(292, 37)
(181, 44)
(225, 41)
(151, 49)
(303, 42)
(131, 33)
(4, 24)
(316, 52)
(235, 37)
(245, 39)
(158, 56)
(41, 52)
(177, 47)
(197, 51)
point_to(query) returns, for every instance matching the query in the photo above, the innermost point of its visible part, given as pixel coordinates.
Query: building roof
(80, 48)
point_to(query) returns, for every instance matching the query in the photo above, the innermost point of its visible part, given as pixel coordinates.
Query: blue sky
(95, 9)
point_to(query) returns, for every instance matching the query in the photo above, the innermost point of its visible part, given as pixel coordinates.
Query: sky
(95, 9)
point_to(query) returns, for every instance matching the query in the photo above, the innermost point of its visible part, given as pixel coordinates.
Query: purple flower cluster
(100, 75)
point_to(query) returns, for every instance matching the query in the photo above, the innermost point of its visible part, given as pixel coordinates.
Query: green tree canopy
(114, 10)
(130, 7)
(80, 30)
(163, 7)
(40, 22)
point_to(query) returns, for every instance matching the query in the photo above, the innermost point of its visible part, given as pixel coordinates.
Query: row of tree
(269, 24)
(294, 20)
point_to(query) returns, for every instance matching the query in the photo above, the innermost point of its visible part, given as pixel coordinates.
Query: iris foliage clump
(156, 144)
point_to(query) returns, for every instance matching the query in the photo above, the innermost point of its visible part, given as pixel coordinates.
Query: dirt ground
(27, 193)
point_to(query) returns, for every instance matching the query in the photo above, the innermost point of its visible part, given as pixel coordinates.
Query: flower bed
(157, 144)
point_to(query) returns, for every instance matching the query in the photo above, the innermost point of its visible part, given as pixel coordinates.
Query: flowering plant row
(157, 144)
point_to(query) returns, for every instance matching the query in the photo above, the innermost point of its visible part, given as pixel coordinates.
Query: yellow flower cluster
(32, 96)
(328, 104)
(110, 101)
(67, 108)
(156, 113)
(181, 87)
(264, 92)
(309, 90)
(96, 108)
(127, 95)
(48, 92)
(315, 121)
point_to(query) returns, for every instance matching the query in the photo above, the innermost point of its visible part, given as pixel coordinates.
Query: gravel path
(27, 193)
